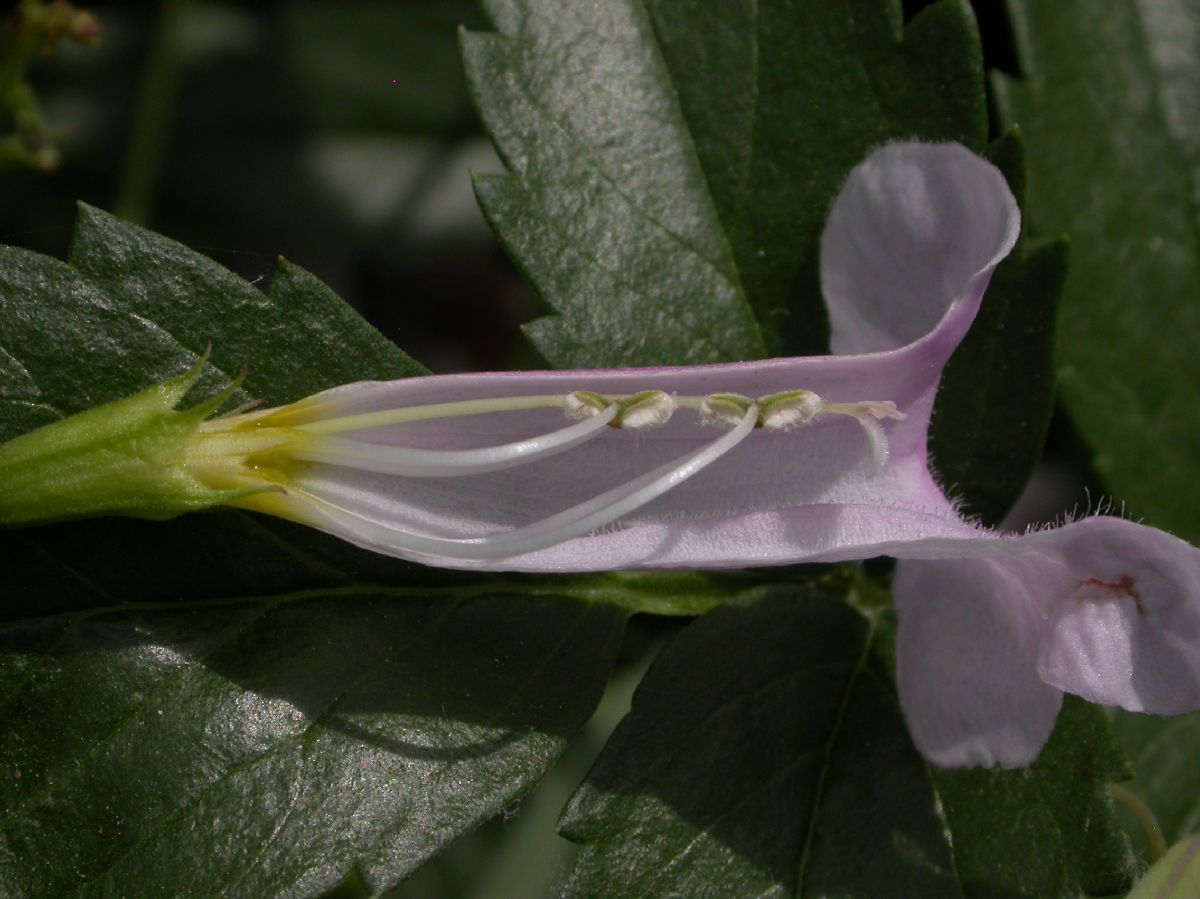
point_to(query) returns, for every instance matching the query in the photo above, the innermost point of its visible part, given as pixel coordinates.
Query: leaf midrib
(852, 681)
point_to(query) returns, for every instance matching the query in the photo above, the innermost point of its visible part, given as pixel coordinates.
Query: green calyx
(128, 457)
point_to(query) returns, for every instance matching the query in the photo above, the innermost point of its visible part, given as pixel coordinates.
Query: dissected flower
(759, 463)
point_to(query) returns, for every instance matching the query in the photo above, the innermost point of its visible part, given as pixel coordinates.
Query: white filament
(574, 522)
(422, 463)
(868, 414)
(402, 414)
(877, 440)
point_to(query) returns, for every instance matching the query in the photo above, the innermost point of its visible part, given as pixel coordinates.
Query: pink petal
(966, 661)
(913, 236)
(1103, 608)
(1128, 631)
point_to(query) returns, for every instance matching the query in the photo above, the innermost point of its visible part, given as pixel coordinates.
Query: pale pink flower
(817, 459)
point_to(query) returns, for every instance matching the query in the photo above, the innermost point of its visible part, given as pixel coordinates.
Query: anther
(724, 409)
(789, 409)
(644, 410)
(583, 404)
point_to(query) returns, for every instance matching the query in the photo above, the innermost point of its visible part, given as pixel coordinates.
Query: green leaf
(294, 340)
(671, 164)
(262, 747)
(1163, 754)
(996, 397)
(765, 752)
(1106, 103)
(224, 705)
(1047, 830)
(132, 307)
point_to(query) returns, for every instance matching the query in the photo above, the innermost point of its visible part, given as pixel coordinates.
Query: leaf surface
(671, 165)
(224, 705)
(1107, 104)
(765, 753)
(1162, 753)
(1047, 830)
(263, 747)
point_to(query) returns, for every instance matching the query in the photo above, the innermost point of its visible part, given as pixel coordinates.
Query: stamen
(403, 414)
(873, 408)
(574, 522)
(877, 440)
(725, 409)
(249, 438)
(584, 404)
(867, 414)
(789, 410)
(422, 463)
(645, 410)
(638, 412)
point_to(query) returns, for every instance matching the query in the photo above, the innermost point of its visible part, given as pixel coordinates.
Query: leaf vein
(860, 668)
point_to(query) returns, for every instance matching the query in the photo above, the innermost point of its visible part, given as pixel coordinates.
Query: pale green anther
(128, 457)
(581, 403)
(789, 409)
(647, 409)
(725, 409)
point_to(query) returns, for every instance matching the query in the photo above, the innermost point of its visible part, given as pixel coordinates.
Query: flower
(993, 628)
(993, 631)
(718, 466)
(817, 459)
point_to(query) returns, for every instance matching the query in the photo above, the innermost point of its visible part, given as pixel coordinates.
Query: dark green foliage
(672, 163)
(261, 747)
(1106, 103)
(997, 394)
(1046, 830)
(765, 752)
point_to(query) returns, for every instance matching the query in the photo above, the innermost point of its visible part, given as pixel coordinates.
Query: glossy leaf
(263, 747)
(234, 703)
(671, 164)
(1047, 830)
(1106, 102)
(765, 753)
